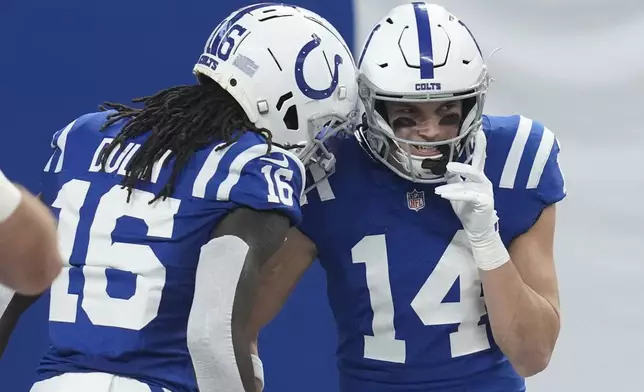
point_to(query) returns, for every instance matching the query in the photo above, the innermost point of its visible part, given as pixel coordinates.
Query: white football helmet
(291, 72)
(419, 52)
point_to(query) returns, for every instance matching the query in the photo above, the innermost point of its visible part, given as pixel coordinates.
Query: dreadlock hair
(182, 120)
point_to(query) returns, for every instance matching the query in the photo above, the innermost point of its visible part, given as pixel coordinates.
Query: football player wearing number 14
(429, 202)
(167, 213)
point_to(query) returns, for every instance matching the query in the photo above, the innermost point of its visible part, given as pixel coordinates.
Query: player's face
(425, 122)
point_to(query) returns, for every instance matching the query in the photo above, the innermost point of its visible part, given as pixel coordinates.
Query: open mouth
(424, 151)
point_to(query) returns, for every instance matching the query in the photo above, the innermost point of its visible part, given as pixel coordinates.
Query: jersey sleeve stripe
(540, 159)
(563, 178)
(511, 167)
(208, 171)
(48, 165)
(236, 167)
(61, 142)
(213, 164)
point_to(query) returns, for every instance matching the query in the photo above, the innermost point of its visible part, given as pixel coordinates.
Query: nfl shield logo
(416, 200)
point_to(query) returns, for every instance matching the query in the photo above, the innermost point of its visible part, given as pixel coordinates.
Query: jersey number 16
(137, 311)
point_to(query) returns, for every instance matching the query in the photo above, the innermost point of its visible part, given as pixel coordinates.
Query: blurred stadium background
(576, 65)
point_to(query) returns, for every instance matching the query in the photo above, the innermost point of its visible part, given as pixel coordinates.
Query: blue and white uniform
(402, 283)
(120, 307)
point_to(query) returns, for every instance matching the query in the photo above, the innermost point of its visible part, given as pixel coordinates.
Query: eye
(406, 110)
(450, 119)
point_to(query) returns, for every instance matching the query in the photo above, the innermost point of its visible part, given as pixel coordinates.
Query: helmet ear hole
(203, 79)
(468, 105)
(291, 119)
(382, 110)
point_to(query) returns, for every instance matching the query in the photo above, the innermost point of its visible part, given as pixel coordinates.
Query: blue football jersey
(401, 280)
(122, 302)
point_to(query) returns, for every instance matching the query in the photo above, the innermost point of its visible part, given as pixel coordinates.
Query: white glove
(472, 199)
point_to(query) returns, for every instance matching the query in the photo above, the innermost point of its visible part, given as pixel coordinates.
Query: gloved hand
(472, 197)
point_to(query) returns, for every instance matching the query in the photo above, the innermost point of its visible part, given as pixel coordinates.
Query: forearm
(279, 276)
(212, 338)
(15, 307)
(7, 323)
(225, 289)
(524, 324)
(29, 257)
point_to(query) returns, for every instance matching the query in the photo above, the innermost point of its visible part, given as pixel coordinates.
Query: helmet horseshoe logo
(299, 73)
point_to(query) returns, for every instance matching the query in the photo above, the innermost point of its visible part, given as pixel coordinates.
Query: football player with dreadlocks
(167, 212)
(436, 230)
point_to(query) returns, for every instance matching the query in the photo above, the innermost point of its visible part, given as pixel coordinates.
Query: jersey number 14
(455, 263)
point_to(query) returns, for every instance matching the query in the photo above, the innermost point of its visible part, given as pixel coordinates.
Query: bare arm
(18, 305)
(522, 298)
(280, 276)
(226, 287)
(29, 257)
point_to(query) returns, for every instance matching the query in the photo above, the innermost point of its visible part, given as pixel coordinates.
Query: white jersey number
(279, 190)
(102, 254)
(455, 263)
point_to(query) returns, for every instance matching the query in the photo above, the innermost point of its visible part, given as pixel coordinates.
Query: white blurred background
(578, 67)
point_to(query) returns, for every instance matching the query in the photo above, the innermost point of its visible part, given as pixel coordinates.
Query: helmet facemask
(323, 132)
(397, 153)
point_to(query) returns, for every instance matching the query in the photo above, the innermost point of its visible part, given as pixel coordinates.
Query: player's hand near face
(520, 285)
(472, 197)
